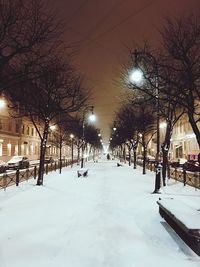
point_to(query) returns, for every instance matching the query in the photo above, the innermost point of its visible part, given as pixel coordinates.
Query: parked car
(48, 160)
(176, 163)
(192, 166)
(18, 162)
(151, 159)
(3, 166)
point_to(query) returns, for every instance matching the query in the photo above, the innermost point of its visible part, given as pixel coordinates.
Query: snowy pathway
(108, 219)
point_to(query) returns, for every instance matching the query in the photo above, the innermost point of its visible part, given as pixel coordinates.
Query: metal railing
(179, 174)
(20, 175)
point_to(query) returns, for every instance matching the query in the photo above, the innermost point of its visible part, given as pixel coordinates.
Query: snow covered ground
(109, 219)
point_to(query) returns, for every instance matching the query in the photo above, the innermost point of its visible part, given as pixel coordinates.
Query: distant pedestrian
(108, 156)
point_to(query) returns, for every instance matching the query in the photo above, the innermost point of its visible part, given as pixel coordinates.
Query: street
(109, 218)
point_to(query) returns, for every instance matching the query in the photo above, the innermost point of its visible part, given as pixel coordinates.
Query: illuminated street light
(91, 118)
(163, 125)
(71, 136)
(2, 103)
(52, 127)
(72, 149)
(136, 77)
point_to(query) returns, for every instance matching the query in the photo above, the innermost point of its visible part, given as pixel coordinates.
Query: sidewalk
(109, 219)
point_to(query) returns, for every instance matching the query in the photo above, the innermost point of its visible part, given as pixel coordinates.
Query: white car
(18, 162)
(178, 162)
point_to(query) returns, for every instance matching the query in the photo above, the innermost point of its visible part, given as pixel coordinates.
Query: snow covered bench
(184, 219)
(82, 172)
(119, 165)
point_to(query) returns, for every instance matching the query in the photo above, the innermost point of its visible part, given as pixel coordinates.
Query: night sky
(103, 30)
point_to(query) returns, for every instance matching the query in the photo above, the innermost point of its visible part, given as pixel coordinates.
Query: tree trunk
(124, 153)
(60, 157)
(144, 154)
(164, 165)
(134, 159)
(78, 156)
(165, 151)
(42, 155)
(129, 156)
(41, 165)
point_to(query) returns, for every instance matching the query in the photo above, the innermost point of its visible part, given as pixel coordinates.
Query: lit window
(9, 149)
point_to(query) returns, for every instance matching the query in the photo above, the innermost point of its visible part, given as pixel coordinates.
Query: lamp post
(72, 149)
(92, 118)
(136, 77)
(2, 105)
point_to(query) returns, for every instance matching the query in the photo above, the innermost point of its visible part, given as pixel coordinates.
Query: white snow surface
(108, 219)
(187, 215)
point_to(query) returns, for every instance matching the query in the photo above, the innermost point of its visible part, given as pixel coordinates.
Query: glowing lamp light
(71, 136)
(163, 125)
(136, 76)
(92, 117)
(2, 103)
(53, 127)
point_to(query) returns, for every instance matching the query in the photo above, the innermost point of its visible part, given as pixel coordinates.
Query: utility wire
(83, 4)
(79, 44)
(135, 13)
(102, 19)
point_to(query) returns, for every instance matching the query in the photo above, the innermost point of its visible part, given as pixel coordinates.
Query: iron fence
(20, 175)
(178, 174)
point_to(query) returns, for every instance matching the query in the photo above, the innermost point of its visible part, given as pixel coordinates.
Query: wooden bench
(184, 219)
(82, 172)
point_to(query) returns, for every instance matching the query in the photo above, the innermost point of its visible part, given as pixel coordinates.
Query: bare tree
(61, 135)
(28, 32)
(54, 92)
(181, 42)
(145, 124)
(156, 87)
(126, 122)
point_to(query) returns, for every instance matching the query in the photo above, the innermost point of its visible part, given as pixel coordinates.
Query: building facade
(183, 141)
(18, 136)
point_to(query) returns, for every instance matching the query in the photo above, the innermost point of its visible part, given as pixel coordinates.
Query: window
(16, 150)
(23, 128)
(9, 126)
(22, 149)
(1, 149)
(1, 125)
(31, 149)
(17, 127)
(9, 149)
(32, 131)
(28, 130)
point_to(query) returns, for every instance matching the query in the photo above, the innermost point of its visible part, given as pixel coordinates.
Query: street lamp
(72, 149)
(2, 103)
(91, 118)
(136, 77)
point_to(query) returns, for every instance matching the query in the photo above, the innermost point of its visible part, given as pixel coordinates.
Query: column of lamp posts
(72, 149)
(2, 105)
(92, 118)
